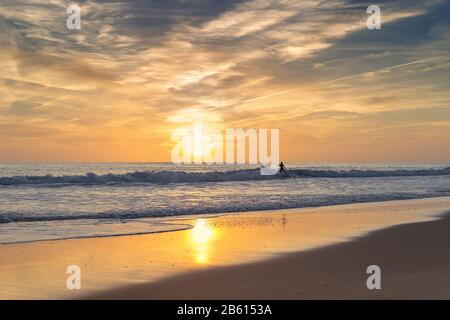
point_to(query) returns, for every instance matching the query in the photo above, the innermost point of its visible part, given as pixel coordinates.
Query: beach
(243, 149)
(309, 253)
(414, 261)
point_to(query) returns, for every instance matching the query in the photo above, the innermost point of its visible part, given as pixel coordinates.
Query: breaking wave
(168, 176)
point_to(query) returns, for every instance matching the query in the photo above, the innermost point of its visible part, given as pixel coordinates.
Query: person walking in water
(282, 169)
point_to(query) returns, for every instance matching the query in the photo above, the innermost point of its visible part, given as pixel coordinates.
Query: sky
(137, 70)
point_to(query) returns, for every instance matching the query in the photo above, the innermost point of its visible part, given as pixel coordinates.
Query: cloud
(142, 67)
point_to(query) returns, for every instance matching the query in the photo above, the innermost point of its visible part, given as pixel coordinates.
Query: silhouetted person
(282, 169)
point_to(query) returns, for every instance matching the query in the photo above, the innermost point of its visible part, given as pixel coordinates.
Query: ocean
(51, 201)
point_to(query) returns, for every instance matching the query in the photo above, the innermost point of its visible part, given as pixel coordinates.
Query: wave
(168, 176)
(354, 173)
(302, 202)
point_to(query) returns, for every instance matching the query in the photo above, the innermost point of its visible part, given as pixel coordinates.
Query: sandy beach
(414, 260)
(310, 253)
(244, 149)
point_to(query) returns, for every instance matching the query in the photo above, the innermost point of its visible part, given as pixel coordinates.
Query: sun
(198, 144)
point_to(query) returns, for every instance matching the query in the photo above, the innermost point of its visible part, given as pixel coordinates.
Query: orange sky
(117, 88)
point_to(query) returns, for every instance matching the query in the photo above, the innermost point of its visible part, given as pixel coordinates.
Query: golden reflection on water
(201, 236)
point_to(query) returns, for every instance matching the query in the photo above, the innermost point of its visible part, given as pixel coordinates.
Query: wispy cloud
(137, 68)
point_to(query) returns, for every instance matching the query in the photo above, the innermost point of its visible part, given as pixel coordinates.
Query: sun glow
(197, 144)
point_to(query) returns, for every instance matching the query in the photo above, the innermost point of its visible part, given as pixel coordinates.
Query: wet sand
(287, 254)
(414, 260)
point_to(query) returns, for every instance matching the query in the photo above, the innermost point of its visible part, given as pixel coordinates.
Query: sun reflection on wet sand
(200, 238)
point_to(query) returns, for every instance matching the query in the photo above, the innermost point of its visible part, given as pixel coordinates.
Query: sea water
(73, 200)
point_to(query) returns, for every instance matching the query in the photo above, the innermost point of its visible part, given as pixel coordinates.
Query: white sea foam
(167, 176)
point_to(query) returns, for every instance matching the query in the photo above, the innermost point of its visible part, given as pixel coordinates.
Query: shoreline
(172, 220)
(111, 266)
